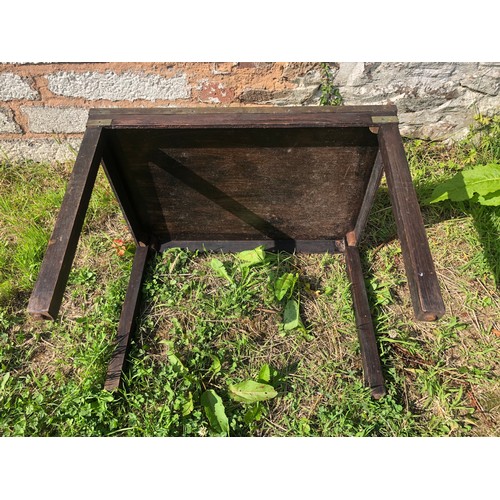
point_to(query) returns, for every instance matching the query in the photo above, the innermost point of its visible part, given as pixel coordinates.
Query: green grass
(203, 327)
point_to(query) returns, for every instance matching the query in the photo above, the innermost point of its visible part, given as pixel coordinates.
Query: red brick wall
(113, 85)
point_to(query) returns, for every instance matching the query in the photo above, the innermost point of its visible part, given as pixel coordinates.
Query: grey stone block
(435, 100)
(118, 87)
(55, 119)
(14, 87)
(485, 82)
(40, 150)
(7, 123)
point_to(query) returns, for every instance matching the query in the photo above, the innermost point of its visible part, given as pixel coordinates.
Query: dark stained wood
(422, 280)
(242, 121)
(369, 198)
(47, 295)
(122, 194)
(250, 138)
(372, 368)
(300, 184)
(306, 246)
(127, 318)
(234, 118)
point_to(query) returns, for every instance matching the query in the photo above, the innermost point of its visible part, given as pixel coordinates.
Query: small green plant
(285, 285)
(330, 93)
(215, 412)
(250, 391)
(482, 144)
(479, 154)
(285, 291)
(479, 184)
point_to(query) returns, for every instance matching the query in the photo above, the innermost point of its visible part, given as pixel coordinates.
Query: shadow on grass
(381, 227)
(487, 225)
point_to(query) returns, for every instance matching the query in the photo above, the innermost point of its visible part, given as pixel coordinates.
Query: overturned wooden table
(292, 179)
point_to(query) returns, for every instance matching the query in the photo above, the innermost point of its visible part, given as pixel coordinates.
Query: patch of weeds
(355, 413)
(213, 324)
(200, 359)
(474, 189)
(330, 93)
(52, 372)
(27, 203)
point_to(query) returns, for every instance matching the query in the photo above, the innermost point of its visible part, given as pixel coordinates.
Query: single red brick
(216, 93)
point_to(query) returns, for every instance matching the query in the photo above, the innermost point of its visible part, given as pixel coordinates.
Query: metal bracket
(385, 119)
(104, 122)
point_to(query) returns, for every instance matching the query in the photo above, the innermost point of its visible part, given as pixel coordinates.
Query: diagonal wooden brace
(47, 295)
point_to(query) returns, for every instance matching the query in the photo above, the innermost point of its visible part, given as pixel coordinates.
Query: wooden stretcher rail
(193, 122)
(305, 246)
(243, 117)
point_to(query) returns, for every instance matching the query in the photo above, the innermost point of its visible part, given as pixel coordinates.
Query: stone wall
(44, 107)
(435, 100)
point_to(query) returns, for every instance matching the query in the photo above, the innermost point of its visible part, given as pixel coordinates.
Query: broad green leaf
(250, 391)
(482, 180)
(254, 413)
(215, 412)
(252, 257)
(285, 285)
(167, 388)
(220, 269)
(265, 373)
(491, 199)
(188, 406)
(291, 316)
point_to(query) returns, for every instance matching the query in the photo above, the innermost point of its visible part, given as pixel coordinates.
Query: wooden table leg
(127, 318)
(372, 368)
(422, 280)
(46, 297)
